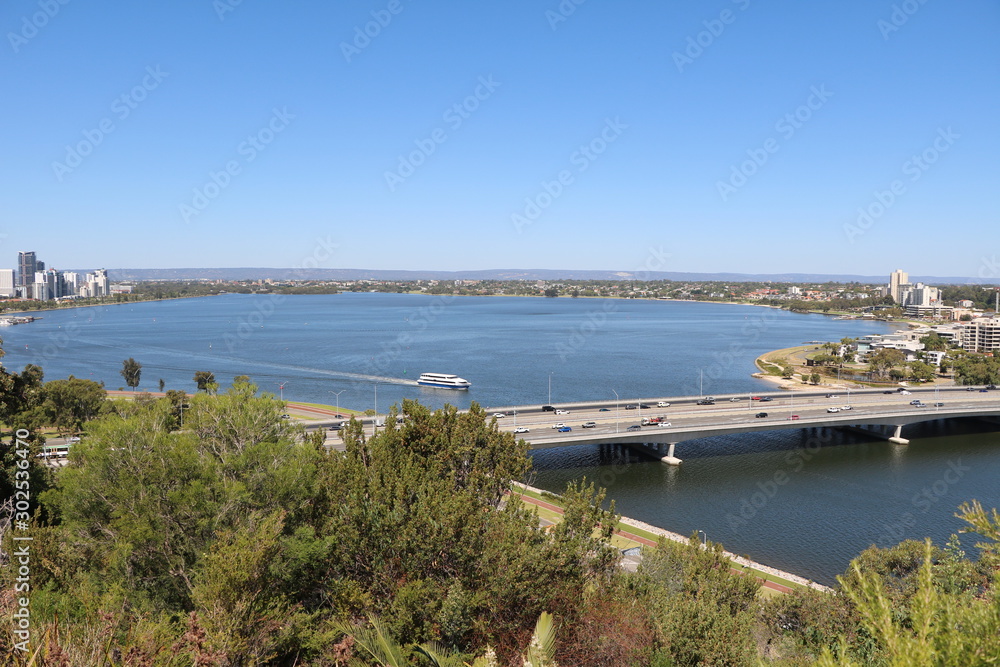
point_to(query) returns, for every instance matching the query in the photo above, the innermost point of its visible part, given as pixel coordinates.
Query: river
(805, 502)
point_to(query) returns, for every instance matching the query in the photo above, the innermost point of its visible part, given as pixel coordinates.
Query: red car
(755, 398)
(794, 417)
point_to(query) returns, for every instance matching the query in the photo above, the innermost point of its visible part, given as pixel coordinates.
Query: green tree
(205, 381)
(934, 342)
(920, 370)
(882, 361)
(69, 403)
(131, 371)
(551, 292)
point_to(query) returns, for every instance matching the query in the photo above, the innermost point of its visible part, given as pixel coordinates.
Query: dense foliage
(240, 540)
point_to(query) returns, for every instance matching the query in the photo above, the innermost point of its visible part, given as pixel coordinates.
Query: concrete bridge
(880, 413)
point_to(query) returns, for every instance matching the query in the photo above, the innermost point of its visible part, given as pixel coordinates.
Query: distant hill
(260, 273)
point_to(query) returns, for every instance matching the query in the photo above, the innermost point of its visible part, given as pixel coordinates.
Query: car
(991, 386)
(662, 404)
(706, 401)
(664, 424)
(499, 415)
(833, 409)
(903, 392)
(645, 407)
(765, 399)
(548, 408)
(634, 427)
(72, 439)
(938, 405)
(558, 425)
(336, 427)
(970, 389)
(832, 396)
(915, 401)
(735, 399)
(760, 415)
(755, 398)
(521, 429)
(630, 406)
(919, 405)
(845, 407)
(604, 410)
(562, 412)
(983, 391)
(512, 413)
(794, 417)
(888, 391)
(286, 416)
(565, 429)
(590, 425)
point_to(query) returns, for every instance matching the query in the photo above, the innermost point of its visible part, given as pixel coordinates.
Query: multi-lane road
(685, 414)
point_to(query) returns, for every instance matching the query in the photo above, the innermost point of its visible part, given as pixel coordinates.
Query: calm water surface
(802, 501)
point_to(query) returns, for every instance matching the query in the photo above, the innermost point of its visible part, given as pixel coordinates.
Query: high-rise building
(7, 288)
(26, 267)
(897, 279)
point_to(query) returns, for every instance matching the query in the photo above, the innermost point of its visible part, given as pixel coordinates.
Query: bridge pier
(896, 438)
(670, 459)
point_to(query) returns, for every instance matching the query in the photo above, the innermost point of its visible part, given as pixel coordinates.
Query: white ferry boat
(443, 381)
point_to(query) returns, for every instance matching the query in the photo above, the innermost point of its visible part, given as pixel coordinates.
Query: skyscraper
(897, 279)
(26, 267)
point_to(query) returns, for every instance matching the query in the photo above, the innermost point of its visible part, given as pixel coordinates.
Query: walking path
(766, 583)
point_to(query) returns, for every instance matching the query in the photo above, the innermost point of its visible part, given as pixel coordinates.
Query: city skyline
(732, 138)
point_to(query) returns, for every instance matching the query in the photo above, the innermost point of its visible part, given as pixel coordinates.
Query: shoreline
(676, 537)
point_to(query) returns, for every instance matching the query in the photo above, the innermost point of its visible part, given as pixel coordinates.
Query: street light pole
(617, 413)
(281, 390)
(337, 394)
(550, 388)
(704, 538)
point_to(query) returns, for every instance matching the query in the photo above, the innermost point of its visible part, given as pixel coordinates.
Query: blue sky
(684, 136)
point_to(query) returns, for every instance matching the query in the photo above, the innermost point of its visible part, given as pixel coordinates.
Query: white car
(664, 424)
(499, 415)
(559, 425)
(562, 412)
(904, 393)
(735, 399)
(662, 404)
(521, 429)
(846, 407)
(833, 409)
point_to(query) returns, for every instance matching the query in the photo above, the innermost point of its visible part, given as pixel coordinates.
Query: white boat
(443, 381)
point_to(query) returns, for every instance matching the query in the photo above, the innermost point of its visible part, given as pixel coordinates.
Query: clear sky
(732, 135)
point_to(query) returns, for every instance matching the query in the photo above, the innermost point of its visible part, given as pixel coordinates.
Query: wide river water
(806, 502)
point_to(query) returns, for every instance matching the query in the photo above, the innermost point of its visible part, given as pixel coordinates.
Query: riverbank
(646, 535)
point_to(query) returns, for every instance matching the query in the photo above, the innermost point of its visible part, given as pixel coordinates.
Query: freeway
(739, 412)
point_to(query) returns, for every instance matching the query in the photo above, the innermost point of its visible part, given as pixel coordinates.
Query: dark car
(646, 407)
(887, 392)
(604, 410)
(760, 415)
(991, 386)
(706, 401)
(337, 427)
(634, 427)
(630, 406)
(548, 408)
(970, 389)
(765, 399)
(938, 405)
